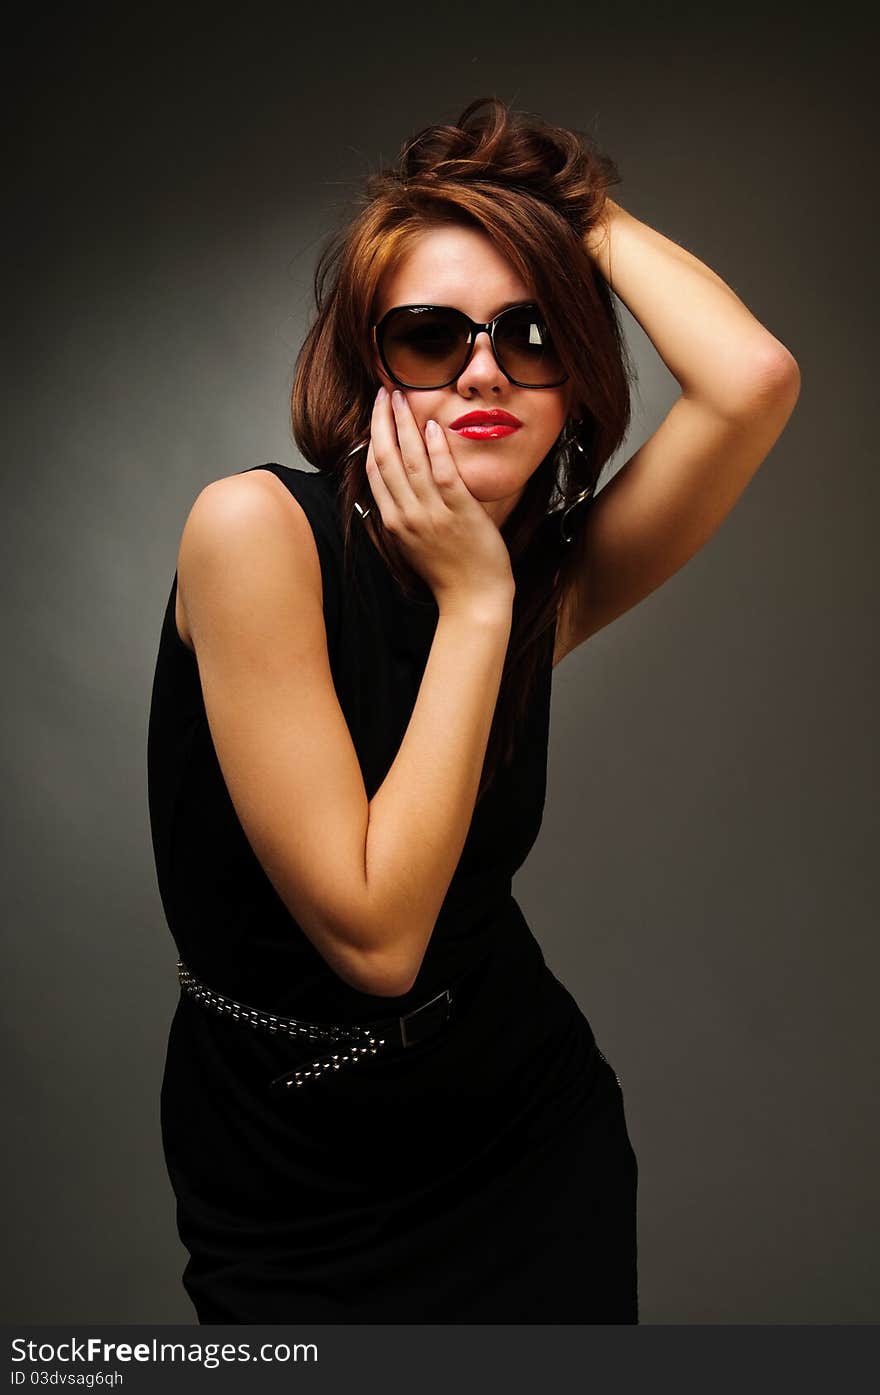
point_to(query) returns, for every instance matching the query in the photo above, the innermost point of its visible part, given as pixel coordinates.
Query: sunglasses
(429, 346)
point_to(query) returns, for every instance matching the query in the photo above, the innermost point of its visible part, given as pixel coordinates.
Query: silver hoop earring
(354, 450)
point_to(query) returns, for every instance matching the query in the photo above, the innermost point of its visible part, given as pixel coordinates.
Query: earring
(361, 446)
(569, 443)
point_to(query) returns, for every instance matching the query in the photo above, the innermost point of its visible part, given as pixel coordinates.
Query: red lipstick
(486, 425)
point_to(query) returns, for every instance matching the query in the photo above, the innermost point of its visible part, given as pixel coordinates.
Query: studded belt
(359, 1040)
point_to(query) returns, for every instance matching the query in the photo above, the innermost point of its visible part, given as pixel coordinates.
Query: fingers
(401, 465)
(400, 451)
(404, 470)
(384, 478)
(381, 493)
(384, 467)
(412, 448)
(447, 480)
(388, 449)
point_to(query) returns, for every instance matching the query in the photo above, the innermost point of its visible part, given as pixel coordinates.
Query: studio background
(704, 883)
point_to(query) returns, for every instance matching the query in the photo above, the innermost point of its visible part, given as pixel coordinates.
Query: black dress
(482, 1175)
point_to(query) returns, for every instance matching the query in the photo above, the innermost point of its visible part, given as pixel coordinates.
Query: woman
(379, 1105)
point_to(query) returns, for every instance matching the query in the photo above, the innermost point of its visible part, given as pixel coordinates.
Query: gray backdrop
(704, 880)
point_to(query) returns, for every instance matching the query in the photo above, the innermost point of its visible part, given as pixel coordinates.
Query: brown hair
(535, 190)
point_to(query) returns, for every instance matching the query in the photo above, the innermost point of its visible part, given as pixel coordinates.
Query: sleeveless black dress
(484, 1174)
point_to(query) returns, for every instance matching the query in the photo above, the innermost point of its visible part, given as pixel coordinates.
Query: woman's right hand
(442, 530)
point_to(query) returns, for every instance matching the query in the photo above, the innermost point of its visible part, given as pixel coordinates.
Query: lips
(495, 417)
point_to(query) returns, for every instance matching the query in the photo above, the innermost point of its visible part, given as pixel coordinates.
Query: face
(461, 267)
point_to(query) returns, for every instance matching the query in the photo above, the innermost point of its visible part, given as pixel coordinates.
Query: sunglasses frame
(474, 329)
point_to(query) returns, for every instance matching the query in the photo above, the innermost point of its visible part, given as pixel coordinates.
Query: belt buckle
(416, 1025)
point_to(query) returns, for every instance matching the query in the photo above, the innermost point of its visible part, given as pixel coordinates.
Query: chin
(494, 486)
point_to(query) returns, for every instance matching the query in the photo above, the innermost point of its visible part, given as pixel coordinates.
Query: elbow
(380, 966)
(773, 384)
(766, 386)
(782, 376)
(378, 972)
(384, 955)
(383, 975)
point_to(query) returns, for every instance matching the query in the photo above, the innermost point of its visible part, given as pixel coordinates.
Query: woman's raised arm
(739, 385)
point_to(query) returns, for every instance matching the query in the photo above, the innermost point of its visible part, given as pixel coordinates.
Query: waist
(273, 964)
(331, 1046)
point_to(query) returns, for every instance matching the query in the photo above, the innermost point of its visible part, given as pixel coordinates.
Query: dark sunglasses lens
(525, 348)
(425, 348)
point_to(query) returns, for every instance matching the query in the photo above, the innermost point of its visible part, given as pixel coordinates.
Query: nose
(482, 370)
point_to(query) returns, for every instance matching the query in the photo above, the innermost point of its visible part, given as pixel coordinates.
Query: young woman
(379, 1104)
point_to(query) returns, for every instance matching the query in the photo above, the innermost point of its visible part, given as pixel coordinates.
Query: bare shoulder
(248, 532)
(243, 513)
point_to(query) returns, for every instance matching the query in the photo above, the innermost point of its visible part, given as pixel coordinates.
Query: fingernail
(397, 397)
(382, 394)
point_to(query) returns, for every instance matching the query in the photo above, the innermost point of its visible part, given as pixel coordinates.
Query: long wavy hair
(535, 190)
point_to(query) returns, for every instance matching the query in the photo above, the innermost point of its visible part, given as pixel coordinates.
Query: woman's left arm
(739, 386)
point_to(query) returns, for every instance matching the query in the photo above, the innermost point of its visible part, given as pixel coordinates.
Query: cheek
(424, 407)
(553, 421)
